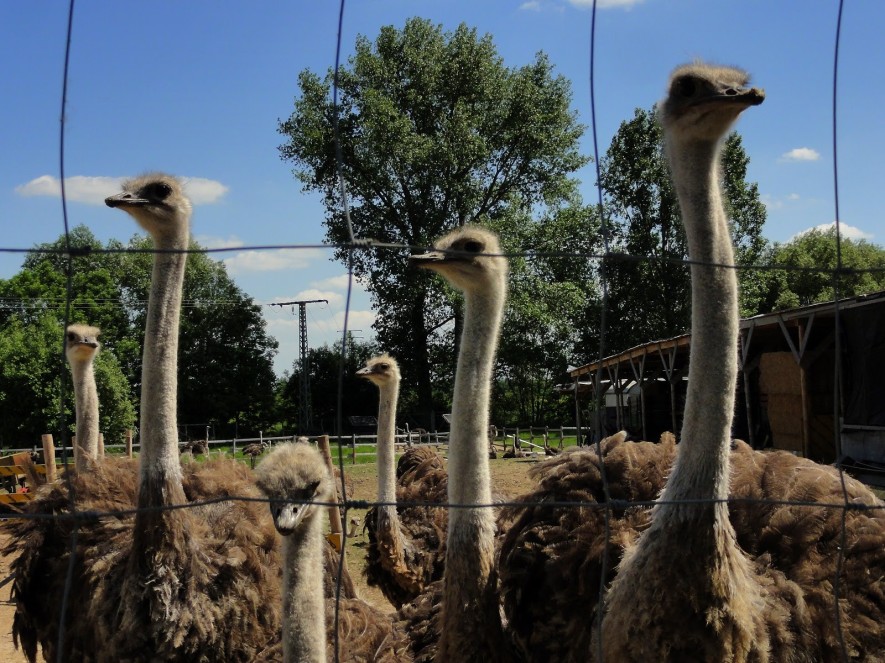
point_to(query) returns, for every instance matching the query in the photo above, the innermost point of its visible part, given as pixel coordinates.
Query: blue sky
(197, 88)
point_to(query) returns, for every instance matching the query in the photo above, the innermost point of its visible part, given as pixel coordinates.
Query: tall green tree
(651, 299)
(812, 258)
(435, 132)
(325, 375)
(31, 383)
(225, 361)
(553, 292)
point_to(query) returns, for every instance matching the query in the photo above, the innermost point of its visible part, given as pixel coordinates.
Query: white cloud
(801, 154)
(770, 202)
(605, 4)
(773, 203)
(531, 5)
(271, 260)
(355, 320)
(848, 232)
(212, 242)
(93, 190)
(81, 189)
(202, 191)
(340, 282)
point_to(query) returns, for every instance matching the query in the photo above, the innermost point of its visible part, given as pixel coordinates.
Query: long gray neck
(159, 459)
(702, 467)
(389, 394)
(469, 481)
(469, 607)
(304, 610)
(86, 405)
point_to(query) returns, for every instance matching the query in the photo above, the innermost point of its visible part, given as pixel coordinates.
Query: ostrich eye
(383, 367)
(687, 86)
(157, 191)
(71, 336)
(472, 246)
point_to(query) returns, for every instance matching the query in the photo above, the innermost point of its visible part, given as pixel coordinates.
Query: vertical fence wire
(70, 253)
(69, 261)
(837, 359)
(603, 320)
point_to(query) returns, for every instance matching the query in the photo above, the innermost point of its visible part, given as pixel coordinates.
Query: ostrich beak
(125, 199)
(287, 516)
(745, 97)
(428, 260)
(364, 372)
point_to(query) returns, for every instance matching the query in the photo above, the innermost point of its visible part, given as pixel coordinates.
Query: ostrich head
(704, 100)
(295, 479)
(468, 257)
(381, 370)
(81, 343)
(157, 202)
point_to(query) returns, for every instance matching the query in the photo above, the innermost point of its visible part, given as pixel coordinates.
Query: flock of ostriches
(745, 555)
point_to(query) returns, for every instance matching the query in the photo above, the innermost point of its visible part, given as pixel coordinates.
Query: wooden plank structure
(788, 397)
(12, 467)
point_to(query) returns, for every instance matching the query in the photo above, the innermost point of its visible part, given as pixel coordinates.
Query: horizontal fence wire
(609, 256)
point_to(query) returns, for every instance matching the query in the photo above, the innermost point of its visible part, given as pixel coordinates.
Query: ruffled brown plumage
(234, 574)
(551, 557)
(786, 514)
(421, 478)
(364, 636)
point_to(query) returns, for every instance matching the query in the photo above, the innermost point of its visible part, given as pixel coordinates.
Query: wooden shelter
(806, 385)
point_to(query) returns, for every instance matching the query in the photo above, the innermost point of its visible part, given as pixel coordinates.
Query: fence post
(74, 449)
(101, 445)
(49, 457)
(334, 513)
(353, 448)
(517, 443)
(561, 436)
(129, 443)
(546, 436)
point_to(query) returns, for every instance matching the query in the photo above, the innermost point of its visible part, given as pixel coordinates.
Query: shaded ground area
(508, 475)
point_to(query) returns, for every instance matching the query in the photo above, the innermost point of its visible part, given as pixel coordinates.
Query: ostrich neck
(701, 470)
(304, 612)
(389, 395)
(159, 460)
(470, 626)
(86, 404)
(468, 449)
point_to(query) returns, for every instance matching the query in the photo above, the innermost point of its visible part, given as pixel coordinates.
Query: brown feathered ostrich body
(406, 550)
(81, 349)
(167, 584)
(469, 623)
(296, 480)
(745, 581)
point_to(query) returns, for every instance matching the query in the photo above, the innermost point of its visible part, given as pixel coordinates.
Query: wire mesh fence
(606, 497)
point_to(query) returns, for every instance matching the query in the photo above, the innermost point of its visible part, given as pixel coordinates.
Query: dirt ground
(509, 478)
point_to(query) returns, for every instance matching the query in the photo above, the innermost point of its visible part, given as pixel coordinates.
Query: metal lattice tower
(304, 411)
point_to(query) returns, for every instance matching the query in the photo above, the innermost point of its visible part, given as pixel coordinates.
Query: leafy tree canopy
(435, 132)
(646, 222)
(225, 356)
(812, 257)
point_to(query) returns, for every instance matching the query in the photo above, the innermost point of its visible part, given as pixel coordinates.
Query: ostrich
(406, 548)
(81, 348)
(254, 450)
(297, 482)
(167, 584)
(471, 627)
(724, 609)
(748, 581)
